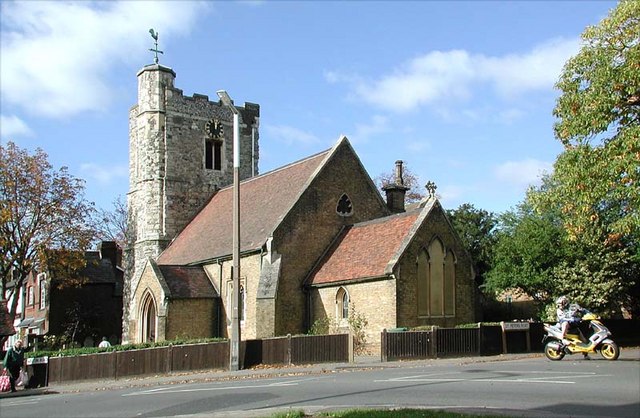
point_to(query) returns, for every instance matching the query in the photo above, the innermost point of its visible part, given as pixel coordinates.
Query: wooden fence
(160, 360)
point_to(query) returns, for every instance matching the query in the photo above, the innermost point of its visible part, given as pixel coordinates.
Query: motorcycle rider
(566, 315)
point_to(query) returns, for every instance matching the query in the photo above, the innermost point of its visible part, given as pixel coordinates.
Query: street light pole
(234, 349)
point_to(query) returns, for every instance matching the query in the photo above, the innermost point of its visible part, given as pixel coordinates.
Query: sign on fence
(514, 326)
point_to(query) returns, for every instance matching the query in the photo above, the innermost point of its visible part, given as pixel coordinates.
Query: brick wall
(311, 226)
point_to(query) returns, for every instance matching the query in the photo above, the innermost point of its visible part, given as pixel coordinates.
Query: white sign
(37, 360)
(515, 326)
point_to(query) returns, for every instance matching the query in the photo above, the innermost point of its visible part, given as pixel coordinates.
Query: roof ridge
(278, 169)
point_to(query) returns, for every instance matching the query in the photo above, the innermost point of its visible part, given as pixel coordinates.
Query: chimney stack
(109, 250)
(396, 191)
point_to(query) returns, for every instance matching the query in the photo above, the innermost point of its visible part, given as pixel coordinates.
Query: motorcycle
(555, 349)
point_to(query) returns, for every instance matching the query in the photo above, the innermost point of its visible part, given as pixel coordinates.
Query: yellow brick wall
(191, 318)
(374, 300)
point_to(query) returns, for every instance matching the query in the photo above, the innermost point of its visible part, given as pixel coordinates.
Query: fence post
(383, 349)
(350, 346)
(169, 360)
(289, 349)
(480, 342)
(434, 342)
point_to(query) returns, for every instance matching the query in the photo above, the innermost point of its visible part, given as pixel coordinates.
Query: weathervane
(155, 50)
(431, 188)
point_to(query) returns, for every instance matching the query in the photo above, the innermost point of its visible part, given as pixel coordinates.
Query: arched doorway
(149, 318)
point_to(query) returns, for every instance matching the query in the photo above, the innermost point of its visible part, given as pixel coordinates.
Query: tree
(529, 246)
(112, 224)
(595, 186)
(598, 122)
(45, 222)
(410, 181)
(476, 229)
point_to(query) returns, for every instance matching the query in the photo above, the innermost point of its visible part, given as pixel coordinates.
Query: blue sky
(462, 91)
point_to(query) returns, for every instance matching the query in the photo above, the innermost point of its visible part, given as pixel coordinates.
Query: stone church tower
(180, 154)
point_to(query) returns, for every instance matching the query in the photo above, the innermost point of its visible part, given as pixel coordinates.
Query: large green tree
(597, 177)
(529, 246)
(595, 186)
(476, 229)
(43, 212)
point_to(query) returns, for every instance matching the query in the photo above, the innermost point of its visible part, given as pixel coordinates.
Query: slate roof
(98, 270)
(264, 201)
(187, 282)
(363, 250)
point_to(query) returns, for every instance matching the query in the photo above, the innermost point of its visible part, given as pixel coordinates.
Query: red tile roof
(364, 250)
(187, 282)
(264, 200)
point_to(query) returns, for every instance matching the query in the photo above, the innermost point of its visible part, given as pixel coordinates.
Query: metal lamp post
(234, 349)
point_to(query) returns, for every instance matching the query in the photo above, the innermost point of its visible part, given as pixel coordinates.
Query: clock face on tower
(214, 129)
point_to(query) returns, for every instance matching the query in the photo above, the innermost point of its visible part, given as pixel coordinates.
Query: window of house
(344, 206)
(149, 318)
(30, 296)
(436, 281)
(213, 154)
(342, 304)
(43, 290)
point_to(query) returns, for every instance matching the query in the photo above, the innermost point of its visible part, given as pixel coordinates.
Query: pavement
(261, 371)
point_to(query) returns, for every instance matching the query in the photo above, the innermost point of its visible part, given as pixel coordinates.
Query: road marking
(162, 391)
(559, 378)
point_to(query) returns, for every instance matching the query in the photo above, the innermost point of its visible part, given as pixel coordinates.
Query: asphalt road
(534, 387)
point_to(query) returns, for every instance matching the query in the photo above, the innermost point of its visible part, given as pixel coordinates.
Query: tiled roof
(364, 250)
(187, 282)
(264, 200)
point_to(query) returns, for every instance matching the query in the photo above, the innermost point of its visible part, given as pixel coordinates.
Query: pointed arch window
(149, 318)
(213, 154)
(436, 281)
(342, 304)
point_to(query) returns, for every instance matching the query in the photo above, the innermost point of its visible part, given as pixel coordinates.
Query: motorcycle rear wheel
(610, 351)
(552, 353)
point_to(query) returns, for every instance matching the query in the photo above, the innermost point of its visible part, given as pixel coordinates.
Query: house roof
(98, 270)
(363, 250)
(187, 282)
(264, 201)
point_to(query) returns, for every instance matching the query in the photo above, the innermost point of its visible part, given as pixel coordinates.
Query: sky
(461, 91)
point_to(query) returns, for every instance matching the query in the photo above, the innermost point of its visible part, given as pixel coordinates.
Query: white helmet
(562, 301)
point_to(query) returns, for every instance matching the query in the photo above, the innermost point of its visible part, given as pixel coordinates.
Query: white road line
(162, 391)
(413, 380)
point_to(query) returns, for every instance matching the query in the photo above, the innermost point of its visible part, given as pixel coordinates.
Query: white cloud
(290, 135)
(56, 56)
(522, 173)
(104, 175)
(12, 126)
(442, 77)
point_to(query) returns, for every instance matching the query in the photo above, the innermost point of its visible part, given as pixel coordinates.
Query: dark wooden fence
(119, 364)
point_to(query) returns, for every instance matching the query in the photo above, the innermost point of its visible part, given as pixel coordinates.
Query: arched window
(149, 318)
(342, 304)
(344, 207)
(436, 280)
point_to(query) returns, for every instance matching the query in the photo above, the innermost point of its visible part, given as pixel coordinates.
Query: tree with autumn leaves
(589, 206)
(45, 222)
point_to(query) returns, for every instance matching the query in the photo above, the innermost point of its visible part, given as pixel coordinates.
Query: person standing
(13, 362)
(104, 343)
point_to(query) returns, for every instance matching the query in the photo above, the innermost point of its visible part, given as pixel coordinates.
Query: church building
(317, 240)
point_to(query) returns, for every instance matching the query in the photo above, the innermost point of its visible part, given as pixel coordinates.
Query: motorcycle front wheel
(551, 352)
(610, 351)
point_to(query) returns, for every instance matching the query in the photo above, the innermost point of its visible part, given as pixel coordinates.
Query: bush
(70, 352)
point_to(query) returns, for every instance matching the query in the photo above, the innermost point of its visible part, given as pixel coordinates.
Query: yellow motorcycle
(555, 349)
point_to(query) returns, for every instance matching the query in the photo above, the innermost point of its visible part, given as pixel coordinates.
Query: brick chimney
(109, 250)
(396, 191)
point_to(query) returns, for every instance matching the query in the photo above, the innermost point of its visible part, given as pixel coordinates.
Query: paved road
(531, 386)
